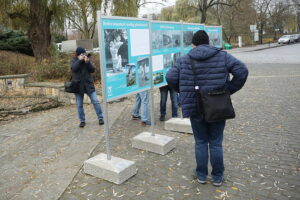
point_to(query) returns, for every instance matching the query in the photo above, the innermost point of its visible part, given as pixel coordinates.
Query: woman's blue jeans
(95, 102)
(208, 135)
(141, 101)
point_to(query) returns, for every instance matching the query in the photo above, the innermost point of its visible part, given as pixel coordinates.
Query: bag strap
(227, 72)
(194, 71)
(226, 67)
(199, 101)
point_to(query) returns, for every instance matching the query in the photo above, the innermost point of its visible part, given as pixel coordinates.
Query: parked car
(286, 39)
(296, 37)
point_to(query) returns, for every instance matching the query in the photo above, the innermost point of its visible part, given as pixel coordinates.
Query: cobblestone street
(261, 149)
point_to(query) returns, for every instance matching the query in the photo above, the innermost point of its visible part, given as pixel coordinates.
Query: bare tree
(82, 14)
(296, 4)
(225, 16)
(79, 13)
(278, 13)
(204, 5)
(262, 7)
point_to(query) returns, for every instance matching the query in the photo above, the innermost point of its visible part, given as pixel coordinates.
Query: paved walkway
(261, 150)
(40, 155)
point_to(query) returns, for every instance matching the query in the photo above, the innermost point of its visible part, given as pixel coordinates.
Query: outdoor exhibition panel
(129, 56)
(126, 56)
(215, 35)
(166, 48)
(136, 55)
(188, 32)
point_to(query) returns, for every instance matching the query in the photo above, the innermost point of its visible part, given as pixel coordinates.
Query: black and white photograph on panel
(116, 50)
(167, 60)
(187, 38)
(167, 39)
(157, 40)
(130, 75)
(175, 56)
(158, 78)
(214, 39)
(144, 71)
(176, 40)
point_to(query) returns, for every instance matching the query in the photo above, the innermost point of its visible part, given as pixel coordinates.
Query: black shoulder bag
(213, 105)
(72, 86)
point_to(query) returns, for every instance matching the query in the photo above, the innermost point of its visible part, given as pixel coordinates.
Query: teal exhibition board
(133, 48)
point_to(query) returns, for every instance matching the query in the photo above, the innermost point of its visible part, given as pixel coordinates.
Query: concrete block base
(182, 125)
(116, 170)
(159, 144)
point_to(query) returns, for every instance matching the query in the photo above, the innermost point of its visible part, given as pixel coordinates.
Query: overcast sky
(155, 8)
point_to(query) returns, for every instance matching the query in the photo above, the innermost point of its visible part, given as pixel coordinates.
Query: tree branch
(219, 3)
(76, 24)
(200, 8)
(210, 3)
(146, 2)
(17, 15)
(194, 7)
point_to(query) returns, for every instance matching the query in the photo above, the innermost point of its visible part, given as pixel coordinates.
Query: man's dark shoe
(218, 183)
(101, 122)
(201, 181)
(82, 124)
(136, 117)
(162, 118)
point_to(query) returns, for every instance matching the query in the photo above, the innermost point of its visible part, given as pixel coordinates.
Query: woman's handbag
(213, 105)
(72, 86)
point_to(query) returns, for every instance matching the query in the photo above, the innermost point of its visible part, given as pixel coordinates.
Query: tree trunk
(203, 9)
(226, 37)
(39, 29)
(203, 16)
(261, 33)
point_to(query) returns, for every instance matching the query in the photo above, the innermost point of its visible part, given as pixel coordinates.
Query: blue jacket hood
(203, 52)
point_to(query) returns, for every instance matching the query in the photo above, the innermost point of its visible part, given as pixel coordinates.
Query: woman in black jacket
(81, 73)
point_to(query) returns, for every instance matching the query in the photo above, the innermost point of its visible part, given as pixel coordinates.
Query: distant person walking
(82, 68)
(212, 67)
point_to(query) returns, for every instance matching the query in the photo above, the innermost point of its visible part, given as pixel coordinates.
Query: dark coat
(212, 68)
(81, 73)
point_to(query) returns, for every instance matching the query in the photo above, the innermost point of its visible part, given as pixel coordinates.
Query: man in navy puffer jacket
(212, 66)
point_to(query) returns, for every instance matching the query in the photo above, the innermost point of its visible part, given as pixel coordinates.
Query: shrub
(96, 61)
(58, 38)
(58, 68)
(15, 41)
(55, 68)
(15, 63)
